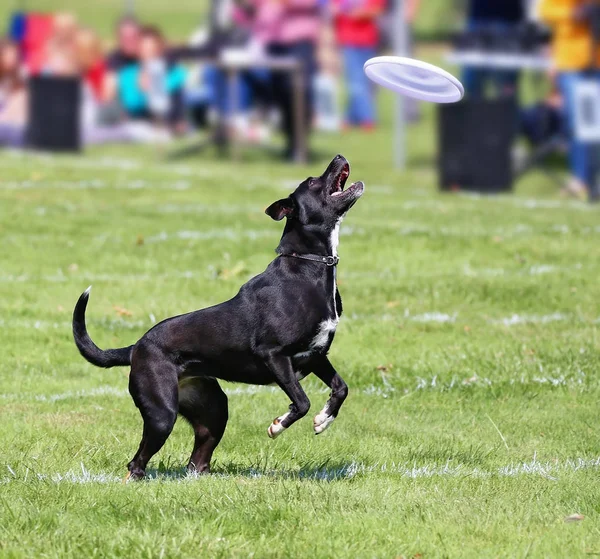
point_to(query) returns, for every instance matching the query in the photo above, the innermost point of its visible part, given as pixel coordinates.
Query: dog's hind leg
(204, 404)
(339, 390)
(153, 387)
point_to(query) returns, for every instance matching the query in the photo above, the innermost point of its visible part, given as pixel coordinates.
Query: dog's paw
(133, 476)
(276, 428)
(322, 421)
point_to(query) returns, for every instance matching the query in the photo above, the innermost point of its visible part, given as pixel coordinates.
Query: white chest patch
(334, 238)
(334, 241)
(326, 328)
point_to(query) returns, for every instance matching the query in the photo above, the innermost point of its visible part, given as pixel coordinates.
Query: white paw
(322, 421)
(276, 428)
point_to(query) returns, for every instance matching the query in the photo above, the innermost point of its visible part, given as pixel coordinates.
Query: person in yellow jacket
(575, 26)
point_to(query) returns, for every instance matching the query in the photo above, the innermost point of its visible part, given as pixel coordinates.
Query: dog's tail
(85, 345)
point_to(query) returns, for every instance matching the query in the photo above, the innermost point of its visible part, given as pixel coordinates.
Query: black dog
(277, 329)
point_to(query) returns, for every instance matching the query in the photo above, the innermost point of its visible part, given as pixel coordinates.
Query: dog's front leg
(339, 390)
(281, 367)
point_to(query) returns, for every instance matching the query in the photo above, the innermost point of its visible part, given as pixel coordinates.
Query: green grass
(469, 342)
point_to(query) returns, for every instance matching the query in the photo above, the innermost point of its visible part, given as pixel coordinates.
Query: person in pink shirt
(288, 28)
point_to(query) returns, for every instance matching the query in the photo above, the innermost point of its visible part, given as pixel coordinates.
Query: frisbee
(414, 78)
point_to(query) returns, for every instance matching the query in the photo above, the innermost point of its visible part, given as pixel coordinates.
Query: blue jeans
(584, 157)
(219, 93)
(361, 102)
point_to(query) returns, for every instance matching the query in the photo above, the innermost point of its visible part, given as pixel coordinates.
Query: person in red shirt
(357, 34)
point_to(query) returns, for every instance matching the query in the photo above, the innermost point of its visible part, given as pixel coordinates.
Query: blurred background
(231, 78)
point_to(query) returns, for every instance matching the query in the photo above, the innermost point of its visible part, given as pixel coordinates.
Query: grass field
(469, 342)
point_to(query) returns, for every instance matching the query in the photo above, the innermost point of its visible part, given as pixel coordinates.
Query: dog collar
(327, 260)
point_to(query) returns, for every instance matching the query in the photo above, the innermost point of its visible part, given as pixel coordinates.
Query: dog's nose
(339, 156)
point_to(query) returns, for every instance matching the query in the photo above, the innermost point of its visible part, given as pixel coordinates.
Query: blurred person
(13, 96)
(327, 111)
(64, 27)
(494, 16)
(11, 75)
(357, 33)
(286, 29)
(128, 44)
(576, 58)
(543, 121)
(61, 59)
(91, 62)
(60, 49)
(153, 87)
(290, 29)
(126, 53)
(234, 28)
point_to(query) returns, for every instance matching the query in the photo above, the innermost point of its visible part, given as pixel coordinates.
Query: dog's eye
(312, 183)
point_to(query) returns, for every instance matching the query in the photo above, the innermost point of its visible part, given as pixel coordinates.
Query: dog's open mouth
(340, 182)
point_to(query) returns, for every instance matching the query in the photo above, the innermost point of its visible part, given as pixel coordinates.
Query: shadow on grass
(310, 472)
(450, 452)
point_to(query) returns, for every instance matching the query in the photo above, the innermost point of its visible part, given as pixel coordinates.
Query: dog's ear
(280, 209)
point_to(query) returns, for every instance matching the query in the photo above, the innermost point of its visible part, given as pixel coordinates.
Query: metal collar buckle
(327, 260)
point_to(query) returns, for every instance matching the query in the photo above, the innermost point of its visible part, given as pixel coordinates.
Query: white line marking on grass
(533, 204)
(95, 184)
(231, 234)
(550, 470)
(434, 317)
(60, 277)
(210, 234)
(112, 325)
(516, 319)
(576, 380)
(89, 393)
(225, 209)
(439, 317)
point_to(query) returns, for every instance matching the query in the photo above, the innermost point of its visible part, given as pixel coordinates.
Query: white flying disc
(414, 78)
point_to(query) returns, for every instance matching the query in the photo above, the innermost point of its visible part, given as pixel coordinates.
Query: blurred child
(128, 44)
(61, 59)
(153, 87)
(65, 27)
(357, 34)
(13, 96)
(576, 59)
(10, 70)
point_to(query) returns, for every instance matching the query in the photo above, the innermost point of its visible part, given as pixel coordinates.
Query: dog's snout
(337, 163)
